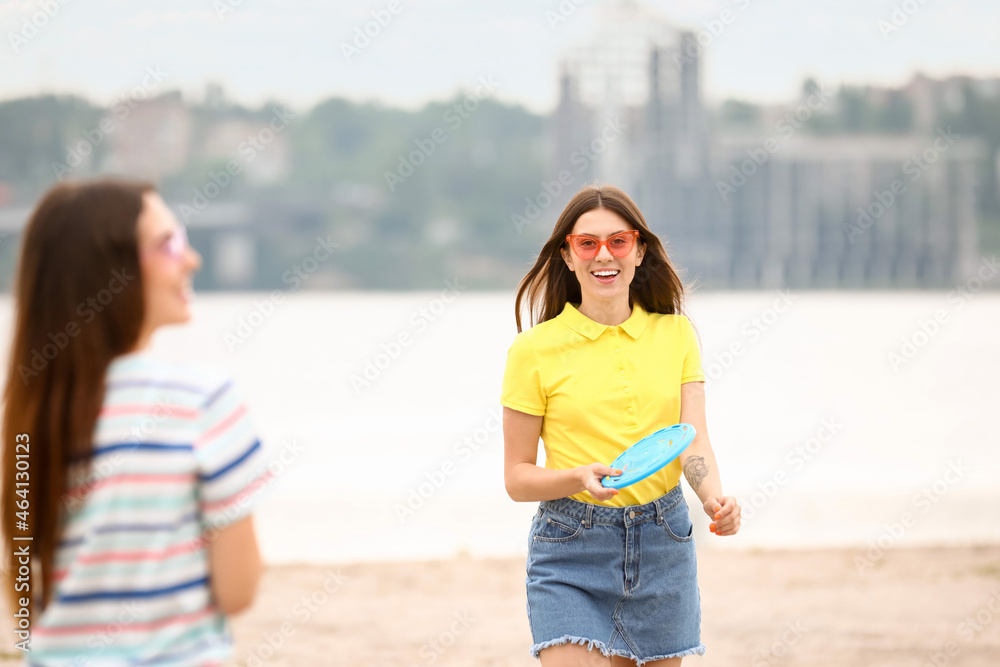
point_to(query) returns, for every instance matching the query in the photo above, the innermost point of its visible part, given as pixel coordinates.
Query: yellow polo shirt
(602, 388)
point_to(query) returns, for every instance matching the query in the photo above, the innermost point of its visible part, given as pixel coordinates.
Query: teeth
(605, 274)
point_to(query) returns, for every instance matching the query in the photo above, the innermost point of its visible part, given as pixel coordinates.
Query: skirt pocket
(554, 527)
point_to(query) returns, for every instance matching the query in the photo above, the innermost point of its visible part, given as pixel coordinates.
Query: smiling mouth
(605, 273)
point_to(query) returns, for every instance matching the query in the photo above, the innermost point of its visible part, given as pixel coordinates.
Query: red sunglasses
(586, 246)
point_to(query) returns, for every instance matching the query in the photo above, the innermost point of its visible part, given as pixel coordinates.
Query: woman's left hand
(725, 512)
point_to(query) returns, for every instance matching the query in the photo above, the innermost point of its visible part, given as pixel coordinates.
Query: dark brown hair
(71, 320)
(549, 285)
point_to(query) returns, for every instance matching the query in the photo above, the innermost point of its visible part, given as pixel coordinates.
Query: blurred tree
(737, 112)
(897, 115)
(854, 110)
(36, 132)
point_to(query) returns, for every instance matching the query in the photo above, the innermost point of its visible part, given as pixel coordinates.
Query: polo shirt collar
(588, 328)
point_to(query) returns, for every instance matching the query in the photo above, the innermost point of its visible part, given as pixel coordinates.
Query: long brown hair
(78, 304)
(549, 285)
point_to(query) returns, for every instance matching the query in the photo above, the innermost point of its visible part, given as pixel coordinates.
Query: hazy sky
(290, 50)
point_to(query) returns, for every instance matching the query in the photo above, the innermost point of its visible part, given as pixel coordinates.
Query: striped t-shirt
(175, 457)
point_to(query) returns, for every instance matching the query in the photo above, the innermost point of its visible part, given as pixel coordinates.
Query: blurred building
(932, 98)
(228, 139)
(243, 248)
(779, 209)
(638, 72)
(151, 139)
(846, 211)
(240, 244)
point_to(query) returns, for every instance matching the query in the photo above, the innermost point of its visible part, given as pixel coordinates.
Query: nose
(193, 259)
(604, 254)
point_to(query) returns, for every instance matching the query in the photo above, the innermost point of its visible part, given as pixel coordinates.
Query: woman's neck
(142, 343)
(610, 313)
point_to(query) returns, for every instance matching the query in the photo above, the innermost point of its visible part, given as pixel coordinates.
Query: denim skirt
(623, 580)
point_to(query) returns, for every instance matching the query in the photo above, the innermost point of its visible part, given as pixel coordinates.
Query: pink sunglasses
(175, 244)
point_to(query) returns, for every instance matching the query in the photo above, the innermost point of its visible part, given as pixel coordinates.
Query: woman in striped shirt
(128, 481)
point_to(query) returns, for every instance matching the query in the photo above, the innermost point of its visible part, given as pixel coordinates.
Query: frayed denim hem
(570, 639)
(697, 650)
(591, 643)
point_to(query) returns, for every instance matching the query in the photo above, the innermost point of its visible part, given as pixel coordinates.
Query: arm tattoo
(696, 470)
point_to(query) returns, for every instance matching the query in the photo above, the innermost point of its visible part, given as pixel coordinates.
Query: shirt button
(618, 349)
(629, 410)
(614, 332)
(622, 372)
(627, 390)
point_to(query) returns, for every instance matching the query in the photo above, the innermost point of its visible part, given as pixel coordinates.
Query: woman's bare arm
(698, 460)
(234, 566)
(700, 468)
(526, 481)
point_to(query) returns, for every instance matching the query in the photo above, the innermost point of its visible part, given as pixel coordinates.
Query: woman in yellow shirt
(611, 360)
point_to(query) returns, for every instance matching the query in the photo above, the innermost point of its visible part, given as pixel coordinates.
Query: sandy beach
(912, 608)
(789, 608)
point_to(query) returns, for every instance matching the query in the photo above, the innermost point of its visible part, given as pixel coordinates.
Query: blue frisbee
(650, 455)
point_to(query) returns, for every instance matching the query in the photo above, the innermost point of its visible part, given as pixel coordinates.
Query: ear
(565, 256)
(640, 251)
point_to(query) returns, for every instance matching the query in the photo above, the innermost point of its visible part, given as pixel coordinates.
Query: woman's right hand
(591, 476)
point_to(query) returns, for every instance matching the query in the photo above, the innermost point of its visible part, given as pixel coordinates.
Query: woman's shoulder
(541, 336)
(542, 330)
(665, 321)
(186, 382)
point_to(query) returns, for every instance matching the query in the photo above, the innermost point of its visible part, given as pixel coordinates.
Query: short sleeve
(231, 468)
(691, 371)
(522, 379)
